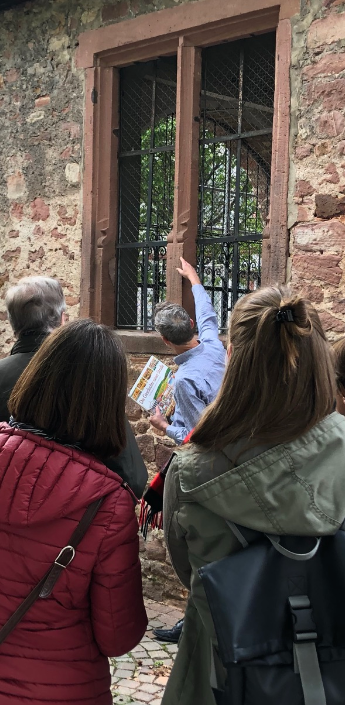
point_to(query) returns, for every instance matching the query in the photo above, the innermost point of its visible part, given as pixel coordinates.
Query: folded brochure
(154, 386)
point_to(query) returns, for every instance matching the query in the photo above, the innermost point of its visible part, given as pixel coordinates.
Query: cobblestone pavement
(141, 676)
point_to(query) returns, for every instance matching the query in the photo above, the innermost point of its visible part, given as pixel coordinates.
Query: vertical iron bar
(257, 198)
(202, 171)
(246, 201)
(236, 260)
(214, 160)
(226, 231)
(142, 294)
(226, 286)
(149, 189)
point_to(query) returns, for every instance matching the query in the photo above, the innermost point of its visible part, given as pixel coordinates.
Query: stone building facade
(59, 63)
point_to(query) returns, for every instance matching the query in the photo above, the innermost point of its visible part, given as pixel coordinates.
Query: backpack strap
(44, 588)
(306, 662)
(246, 536)
(275, 541)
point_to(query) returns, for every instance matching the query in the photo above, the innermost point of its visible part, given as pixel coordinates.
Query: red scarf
(151, 514)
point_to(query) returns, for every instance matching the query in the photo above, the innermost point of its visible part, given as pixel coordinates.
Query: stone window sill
(147, 343)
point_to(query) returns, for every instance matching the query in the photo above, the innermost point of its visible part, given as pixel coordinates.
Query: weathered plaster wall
(41, 132)
(317, 149)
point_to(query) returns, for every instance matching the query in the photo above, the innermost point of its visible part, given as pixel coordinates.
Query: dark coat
(11, 367)
(58, 653)
(129, 464)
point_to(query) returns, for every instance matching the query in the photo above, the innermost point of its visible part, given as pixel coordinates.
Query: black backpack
(278, 608)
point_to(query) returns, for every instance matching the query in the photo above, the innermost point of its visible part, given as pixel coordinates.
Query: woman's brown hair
(75, 388)
(279, 381)
(339, 352)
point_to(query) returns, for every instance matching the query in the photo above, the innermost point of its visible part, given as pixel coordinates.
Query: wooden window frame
(183, 30)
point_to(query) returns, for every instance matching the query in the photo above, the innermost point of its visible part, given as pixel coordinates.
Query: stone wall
(159, 579)
(317, 149)
(41, 128)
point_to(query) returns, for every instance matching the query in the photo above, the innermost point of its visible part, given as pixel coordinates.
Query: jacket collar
(28, 343)
(183, 357)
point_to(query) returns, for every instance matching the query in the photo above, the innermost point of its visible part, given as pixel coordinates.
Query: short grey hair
(173, 323)
(35, 304)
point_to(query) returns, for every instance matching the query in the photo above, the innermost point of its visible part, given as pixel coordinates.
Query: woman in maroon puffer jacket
(63, 409)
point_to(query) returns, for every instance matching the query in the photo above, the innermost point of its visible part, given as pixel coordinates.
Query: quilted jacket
(58, 653)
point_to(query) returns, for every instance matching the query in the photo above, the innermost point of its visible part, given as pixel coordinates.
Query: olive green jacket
(294, 488)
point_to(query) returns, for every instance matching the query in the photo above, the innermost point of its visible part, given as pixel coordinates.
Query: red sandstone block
(313, 237)
(11, 254)
(329, 322)
(330, 124)
(12, 75)
(303, 151)
(39, 210)
(42, 101)
(146, 447)
(326, 31)
(17, 210)
(330, 64)
(304, 188)
(332, 176)
(324, 268)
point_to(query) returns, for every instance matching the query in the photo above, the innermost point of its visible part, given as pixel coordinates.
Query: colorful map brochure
(154, 387)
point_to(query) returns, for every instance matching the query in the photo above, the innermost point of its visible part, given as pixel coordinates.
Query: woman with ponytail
(267, 454)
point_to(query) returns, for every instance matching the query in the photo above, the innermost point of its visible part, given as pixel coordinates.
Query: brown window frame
(183, 30)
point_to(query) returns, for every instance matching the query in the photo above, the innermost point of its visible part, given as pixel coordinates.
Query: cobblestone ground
(141, 675)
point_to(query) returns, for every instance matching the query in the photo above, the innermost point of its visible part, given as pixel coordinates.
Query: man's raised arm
(205, 314)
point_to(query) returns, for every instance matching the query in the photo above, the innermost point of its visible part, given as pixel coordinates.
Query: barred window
(235, 163)
(236, 116)
(146, 163)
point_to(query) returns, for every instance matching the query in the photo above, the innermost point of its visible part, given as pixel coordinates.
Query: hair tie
(285, 316)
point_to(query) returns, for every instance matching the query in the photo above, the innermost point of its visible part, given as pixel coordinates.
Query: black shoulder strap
(44, 588)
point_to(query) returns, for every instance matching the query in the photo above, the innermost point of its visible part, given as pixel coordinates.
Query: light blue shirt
(200, 370)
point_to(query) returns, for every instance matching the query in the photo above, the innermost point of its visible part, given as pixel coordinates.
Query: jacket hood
(41, 480)
(296, 488)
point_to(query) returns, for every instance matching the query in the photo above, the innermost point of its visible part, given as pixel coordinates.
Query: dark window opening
(146, 173)
(235, 163)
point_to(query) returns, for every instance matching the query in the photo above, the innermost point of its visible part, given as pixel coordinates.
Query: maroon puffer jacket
(58, 654)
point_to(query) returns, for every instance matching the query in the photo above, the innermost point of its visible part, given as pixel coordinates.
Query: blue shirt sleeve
(188, 408)
(206, 318)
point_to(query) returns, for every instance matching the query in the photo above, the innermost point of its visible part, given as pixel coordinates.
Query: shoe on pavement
(171, 635)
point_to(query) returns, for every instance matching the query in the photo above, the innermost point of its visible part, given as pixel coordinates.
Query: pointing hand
(188, 272)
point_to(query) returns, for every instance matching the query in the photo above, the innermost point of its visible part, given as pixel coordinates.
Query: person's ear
(229, 351)
(64, 318)
(191, 322)
(166, 341)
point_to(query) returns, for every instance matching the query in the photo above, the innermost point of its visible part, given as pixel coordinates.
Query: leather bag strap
(44, 588)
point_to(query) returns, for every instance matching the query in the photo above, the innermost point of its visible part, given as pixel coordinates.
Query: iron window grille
(146, 170)
(236, 117)
(235, 163)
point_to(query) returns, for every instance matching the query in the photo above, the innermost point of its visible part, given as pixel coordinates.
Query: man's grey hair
(35, 304)
(173, 323)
